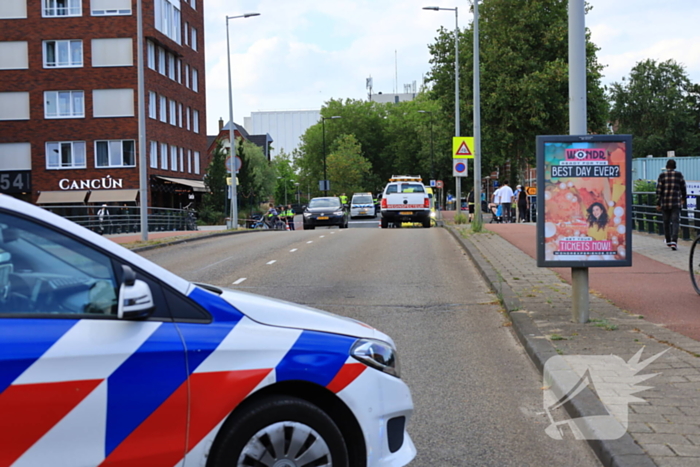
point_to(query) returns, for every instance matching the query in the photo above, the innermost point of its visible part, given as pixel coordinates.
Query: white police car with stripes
(109, 359)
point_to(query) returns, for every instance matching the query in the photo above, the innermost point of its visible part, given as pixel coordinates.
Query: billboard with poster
(584, 195)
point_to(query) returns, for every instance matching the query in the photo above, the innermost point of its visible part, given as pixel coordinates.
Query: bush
(210, 216)
(460, 218)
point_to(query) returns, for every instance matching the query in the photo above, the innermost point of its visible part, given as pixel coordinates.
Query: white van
(362, 205)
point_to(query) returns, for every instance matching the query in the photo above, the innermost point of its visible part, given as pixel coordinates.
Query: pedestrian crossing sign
(463, 147)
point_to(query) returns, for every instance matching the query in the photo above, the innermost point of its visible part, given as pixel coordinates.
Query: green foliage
(644, 186)
(347, 169)
(658, 105)
(460, 218)
(256, 178)
(285, 186)
(214, 201)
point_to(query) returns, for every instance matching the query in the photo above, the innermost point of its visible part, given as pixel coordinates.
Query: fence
(645, 217)
(125, 219)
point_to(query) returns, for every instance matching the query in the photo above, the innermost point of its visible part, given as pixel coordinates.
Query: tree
(524, 78)
(347, 169)
(256, 177)
(285, 178)
(659, 106)
(214, 201)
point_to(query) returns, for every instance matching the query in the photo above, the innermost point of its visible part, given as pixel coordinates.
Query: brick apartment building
(69, 103)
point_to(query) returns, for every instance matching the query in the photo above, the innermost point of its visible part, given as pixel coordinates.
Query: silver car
(362, 205)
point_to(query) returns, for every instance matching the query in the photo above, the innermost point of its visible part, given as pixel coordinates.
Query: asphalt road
(478, 399)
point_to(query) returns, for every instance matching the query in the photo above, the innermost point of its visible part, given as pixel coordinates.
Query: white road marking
(310, 241)
(272, 262)
(239, 281)
(292, 250)
(321, 236)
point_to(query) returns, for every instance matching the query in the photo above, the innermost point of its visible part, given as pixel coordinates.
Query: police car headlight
(432, 213)
(376, 354)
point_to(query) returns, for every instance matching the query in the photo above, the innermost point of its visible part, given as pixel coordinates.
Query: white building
(284, 126)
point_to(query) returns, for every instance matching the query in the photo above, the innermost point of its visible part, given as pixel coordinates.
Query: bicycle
(694, 264)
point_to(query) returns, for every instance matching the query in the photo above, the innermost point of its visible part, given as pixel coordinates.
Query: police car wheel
(280, 431)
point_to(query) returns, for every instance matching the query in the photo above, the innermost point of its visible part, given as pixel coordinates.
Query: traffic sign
(439, 184)
(239, 163)
(463, 147)
(459, 167)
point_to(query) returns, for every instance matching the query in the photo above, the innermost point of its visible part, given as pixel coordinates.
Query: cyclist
(271, 216)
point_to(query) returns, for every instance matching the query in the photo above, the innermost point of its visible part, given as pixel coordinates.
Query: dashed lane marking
(272, 262)
(239, 281)
(292, 250)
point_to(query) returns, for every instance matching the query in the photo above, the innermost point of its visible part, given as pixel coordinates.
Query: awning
(197, 185)
(62, 197)
(111, 196)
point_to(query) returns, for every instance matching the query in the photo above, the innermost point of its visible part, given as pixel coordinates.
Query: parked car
(108, 358)
(362, 205)
(325, 212)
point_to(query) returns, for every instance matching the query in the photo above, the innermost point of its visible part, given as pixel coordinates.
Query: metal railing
(645, 217)
(125, 220)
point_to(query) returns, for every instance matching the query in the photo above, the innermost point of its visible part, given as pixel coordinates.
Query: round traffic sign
(460, 167)
(239, 163)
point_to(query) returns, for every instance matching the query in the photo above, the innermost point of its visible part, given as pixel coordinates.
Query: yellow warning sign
(463, 147)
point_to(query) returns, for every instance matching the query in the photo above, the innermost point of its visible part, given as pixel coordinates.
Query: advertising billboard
(584, 201)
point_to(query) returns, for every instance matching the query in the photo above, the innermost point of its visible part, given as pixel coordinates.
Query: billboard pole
(577, 126)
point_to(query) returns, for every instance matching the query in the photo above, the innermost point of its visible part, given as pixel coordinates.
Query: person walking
(470, 205)
(505, 193)
(290, 217)
(104, 220)
(523, 205)
(671, 195)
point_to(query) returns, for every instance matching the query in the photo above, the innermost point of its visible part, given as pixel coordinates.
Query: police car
(362, 205)
(109, 359)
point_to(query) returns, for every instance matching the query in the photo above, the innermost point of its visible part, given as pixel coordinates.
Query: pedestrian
(290, 217)
(506, 200)
(470, 204)
(671, 196)
(343, 199)
(103, 220)
(523, 203)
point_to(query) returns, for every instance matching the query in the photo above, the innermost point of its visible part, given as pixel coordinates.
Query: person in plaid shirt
(670, 198)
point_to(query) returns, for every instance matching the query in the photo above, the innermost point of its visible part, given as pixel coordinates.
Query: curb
(191, 239)
(622, 452)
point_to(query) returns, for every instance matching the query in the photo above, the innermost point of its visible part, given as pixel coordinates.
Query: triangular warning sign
(463, 150)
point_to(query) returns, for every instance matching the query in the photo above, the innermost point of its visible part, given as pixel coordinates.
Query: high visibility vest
(344, 199)
(289, 213)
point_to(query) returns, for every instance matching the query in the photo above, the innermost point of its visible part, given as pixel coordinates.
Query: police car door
(78, 386)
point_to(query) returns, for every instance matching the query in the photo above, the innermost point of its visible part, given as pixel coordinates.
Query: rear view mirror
(135, 297)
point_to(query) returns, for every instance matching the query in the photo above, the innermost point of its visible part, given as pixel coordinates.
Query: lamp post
(477, 119)
(233, 223)
(297, 185)
(325, 177)
(432, 167)
(435, 8)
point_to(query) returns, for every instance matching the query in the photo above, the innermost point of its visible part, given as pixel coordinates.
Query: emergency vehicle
(109, 359)
(405, 199)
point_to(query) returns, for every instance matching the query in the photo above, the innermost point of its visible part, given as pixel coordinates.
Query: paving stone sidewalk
(667, 425)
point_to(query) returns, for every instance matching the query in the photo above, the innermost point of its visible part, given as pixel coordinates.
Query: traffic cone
(287, 226)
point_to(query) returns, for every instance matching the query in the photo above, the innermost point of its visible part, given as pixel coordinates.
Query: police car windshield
(324, 203)
(362, 199)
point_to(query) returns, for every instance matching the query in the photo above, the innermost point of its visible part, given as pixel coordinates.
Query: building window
(195, 80)
(163, 110)
(110, 7)
(173, 158)
(64, 104)
(173, 115)
(163, 156)
(13, 9)
(194, 38)
(195, 121)
(171, 66)
(154, 155)
(196, 162)
(151, 55)
(14, 106)
(152, 106)
(187, 76)
(14, 55)
(189, 161)
(167, 18)
(186, 34)
(62, 8)
(116, 153)
(182, 160)
(112, 52)
(179, 115)
(193, 3)
(179, 71)
(113, 103)
(65, 155)
(187, 117)
(63, 54)
(161, 61)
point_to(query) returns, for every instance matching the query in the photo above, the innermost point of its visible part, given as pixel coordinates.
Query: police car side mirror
(135, 297)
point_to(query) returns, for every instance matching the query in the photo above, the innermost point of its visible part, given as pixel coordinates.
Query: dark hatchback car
(325, 212)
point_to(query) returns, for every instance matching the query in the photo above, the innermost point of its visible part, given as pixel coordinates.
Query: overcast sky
(299, 54)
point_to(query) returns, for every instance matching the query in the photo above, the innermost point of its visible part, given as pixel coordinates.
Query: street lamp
(432, 168)
(477, 119)
(435, 8)
(325, 177)
(297, 185)
(285, 188)
(234, 198)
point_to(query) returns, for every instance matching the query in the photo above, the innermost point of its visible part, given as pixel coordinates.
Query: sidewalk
(651, 305)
